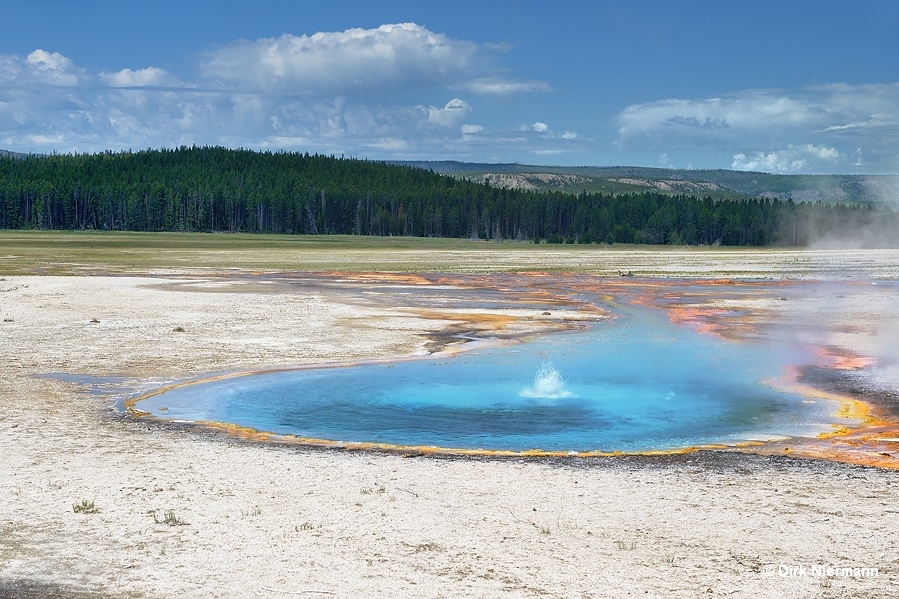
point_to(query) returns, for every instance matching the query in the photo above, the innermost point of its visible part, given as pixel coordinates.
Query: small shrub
(94, 321)
(85, 507)
(178, 329)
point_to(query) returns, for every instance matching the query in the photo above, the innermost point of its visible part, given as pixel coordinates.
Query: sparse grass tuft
(85, 507)
(626, 545)
(544, 530)
(306, 526)
(168, 518)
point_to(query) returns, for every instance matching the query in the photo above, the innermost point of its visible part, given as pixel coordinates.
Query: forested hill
(875, 190)
(217, 189)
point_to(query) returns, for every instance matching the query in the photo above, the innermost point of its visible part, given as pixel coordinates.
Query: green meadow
(91, 252)
(97, 253)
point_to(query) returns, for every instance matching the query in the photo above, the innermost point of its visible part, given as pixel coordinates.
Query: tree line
(219, 189)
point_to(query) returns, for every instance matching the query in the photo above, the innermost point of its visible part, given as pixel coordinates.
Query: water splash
(548, 383)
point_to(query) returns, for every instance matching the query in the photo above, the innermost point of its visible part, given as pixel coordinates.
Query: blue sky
(790, 87)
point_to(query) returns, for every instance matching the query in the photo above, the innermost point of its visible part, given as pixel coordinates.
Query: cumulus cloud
(451, 114)
(546, 133)
(399, 89)
(394, 57)
(148, 77)
(40, 68)
(789, 160)
(823, 128)
(54, 68)
(391, 57)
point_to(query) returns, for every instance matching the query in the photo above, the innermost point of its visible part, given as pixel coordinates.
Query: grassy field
(78, 253)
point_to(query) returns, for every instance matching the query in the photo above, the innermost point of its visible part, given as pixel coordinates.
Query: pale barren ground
(268, 521)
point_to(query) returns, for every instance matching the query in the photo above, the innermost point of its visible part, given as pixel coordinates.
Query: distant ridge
(717, 183)
(8, 154)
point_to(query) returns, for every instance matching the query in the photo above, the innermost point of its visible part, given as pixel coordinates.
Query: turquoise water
(635, 383)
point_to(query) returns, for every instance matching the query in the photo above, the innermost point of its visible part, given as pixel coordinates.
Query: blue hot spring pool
(635, 383)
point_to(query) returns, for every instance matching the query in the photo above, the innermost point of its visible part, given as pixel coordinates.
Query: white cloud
(48, 61)
(390, 143)
(41, 110)
(390, 57)
(753, 110)
(40, 68)
(782, 161)
(502, 86)
(812, 129)
(53, 67)
(393, 57)
(821, 152)
(44, 139)
(789, 160)
(331, 92)
(546, 133)
(455, 110)
(149, 77)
